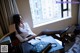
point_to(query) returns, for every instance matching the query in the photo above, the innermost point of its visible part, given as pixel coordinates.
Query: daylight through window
(48, 11)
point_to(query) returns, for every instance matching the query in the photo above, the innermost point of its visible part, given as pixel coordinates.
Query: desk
(27, 47)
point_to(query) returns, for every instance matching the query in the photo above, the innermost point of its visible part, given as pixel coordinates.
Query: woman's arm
(29, 29)
(20, 38)
(31, 37)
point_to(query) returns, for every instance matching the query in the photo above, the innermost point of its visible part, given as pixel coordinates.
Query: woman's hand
(25, 39)
(31, 37)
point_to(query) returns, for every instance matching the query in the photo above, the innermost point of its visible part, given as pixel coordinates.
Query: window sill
(42, 24)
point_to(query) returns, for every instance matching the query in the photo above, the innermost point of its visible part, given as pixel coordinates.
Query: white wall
(24, 9)
(79, 15)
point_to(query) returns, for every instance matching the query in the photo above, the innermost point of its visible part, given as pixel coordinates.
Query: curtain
(7, 9)
(1, 34)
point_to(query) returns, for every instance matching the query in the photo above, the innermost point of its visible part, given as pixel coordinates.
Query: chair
(15, 43)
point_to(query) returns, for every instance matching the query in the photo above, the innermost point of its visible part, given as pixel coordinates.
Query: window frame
(62, 10)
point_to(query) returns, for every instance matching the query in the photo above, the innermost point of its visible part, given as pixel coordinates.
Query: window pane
(44, 11)
(64, 4)
(69, 6)
(65, 13)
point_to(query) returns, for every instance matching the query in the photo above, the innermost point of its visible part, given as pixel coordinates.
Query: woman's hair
(16, 21)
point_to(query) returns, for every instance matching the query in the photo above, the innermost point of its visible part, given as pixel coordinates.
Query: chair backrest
(64, 31)
(71, 29)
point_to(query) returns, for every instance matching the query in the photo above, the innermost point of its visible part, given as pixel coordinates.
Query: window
(65, 8)
(48, 11)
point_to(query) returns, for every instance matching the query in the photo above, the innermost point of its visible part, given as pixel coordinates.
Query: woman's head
(17, 21)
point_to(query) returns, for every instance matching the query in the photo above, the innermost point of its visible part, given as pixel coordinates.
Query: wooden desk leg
(62, 51)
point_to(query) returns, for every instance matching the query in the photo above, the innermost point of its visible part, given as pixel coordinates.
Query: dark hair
(16, 21)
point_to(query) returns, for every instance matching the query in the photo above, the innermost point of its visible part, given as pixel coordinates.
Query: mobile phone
(28, 36)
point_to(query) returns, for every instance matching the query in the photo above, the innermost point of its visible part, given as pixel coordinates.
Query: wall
(79, 15)
(24, 9)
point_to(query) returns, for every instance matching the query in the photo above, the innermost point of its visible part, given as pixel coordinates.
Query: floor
(75, 47)
(72, 47)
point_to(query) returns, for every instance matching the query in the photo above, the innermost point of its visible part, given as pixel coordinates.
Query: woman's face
(21, 20)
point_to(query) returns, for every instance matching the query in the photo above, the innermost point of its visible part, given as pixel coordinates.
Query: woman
(24, 32)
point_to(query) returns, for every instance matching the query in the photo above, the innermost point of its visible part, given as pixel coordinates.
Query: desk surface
(27, 47)
(55, 44)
